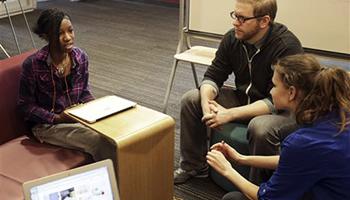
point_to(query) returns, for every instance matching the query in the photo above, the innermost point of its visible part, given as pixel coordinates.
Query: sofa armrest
(11, 123)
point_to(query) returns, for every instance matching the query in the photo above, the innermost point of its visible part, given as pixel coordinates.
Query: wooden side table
(145, 152)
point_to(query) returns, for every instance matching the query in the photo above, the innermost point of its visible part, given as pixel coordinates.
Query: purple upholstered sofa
(21, 157)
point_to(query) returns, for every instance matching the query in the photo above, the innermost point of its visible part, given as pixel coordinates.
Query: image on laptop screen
(90, 182)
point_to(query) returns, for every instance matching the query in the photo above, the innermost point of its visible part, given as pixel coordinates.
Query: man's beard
(249, 35)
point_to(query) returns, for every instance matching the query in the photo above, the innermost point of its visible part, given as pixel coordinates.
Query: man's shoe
(181, 176)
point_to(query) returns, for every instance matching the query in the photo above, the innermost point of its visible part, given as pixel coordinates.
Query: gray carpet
(130, 46)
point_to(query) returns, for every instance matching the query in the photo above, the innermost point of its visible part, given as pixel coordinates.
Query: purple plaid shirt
(36, 90)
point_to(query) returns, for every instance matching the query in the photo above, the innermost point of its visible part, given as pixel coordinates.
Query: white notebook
(100, 108)
(93, 181)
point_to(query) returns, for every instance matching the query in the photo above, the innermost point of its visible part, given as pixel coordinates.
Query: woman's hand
(218, 161)
(229, 152)
(63, 118)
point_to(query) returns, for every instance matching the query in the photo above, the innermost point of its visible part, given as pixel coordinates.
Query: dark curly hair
(48, 25)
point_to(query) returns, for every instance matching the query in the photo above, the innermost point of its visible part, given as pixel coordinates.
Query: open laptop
(95, 181)
(100, 108)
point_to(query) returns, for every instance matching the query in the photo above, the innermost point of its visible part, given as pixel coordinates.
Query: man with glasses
(247, 51)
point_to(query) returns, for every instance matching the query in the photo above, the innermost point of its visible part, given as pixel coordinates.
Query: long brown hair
(331, 91)
(322, 89)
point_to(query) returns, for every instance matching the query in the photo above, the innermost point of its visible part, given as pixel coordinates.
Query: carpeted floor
(130, 46)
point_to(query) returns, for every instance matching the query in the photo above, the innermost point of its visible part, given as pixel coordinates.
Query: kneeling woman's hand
(217, 160)
(230, 153)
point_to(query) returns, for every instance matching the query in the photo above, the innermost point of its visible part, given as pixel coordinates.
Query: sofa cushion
(11, 123)
(24, 159)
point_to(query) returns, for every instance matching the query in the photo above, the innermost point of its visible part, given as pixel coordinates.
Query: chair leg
(26, 21)
(13, 29)
(3, 49)
(170, 85)
(194, 75)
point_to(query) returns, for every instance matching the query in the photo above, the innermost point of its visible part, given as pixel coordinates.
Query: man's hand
(207, 92)
(217, 115)
(205, 107)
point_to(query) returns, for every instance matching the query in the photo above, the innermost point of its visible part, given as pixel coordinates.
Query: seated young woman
(53, 79)
(314, 161)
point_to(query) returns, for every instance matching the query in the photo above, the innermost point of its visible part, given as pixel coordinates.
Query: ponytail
(330, 92)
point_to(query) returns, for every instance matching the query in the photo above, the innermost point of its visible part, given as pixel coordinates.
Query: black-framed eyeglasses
(241, 18)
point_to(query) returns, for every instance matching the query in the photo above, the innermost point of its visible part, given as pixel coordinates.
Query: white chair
(3, 49)
(201, 55)
(8, 14)
(194, 55)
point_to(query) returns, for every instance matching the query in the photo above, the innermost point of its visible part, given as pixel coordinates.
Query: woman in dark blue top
(315, 160)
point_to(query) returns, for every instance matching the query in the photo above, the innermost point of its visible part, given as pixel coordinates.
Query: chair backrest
(14, 7)
(187, 32)
(201, 18)
(11, 122)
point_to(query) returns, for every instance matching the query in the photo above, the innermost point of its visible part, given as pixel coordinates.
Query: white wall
(14, 7)
(319, 24)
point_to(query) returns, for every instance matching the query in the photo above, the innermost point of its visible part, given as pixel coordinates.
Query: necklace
(61, 67)
(60, 70)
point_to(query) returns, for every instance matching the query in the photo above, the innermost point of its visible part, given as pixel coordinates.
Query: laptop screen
(94, 184)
